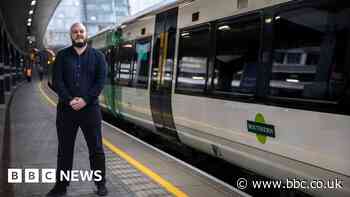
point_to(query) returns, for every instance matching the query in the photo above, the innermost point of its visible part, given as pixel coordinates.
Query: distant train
(263, 84)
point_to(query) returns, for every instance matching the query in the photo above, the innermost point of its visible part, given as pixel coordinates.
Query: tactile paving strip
(138, 183)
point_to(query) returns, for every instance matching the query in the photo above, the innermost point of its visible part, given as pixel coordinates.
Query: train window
(310, 50)
(193, 58)
(126, 61)
(237, 57)
(115, 63)
(108, 56)
(142, 62)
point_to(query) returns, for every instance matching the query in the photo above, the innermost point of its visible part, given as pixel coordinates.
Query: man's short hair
(76, 24)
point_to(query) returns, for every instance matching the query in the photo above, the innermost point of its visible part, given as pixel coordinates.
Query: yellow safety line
(154, 176)
(48, 99)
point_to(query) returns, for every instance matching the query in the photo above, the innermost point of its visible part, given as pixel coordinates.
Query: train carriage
(283, 66)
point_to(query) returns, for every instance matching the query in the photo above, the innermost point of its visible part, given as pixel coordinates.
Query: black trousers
(67, 122)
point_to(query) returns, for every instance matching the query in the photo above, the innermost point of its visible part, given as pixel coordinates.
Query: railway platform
(133, 167)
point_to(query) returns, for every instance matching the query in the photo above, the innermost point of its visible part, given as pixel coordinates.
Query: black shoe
(57, 191)
(102, 190)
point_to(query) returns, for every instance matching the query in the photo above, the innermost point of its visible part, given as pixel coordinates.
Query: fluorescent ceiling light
(31, 12)
(268, 20)
(127, 45)
(293, 80)
(197, 78)
(33, 3)
(225, 27)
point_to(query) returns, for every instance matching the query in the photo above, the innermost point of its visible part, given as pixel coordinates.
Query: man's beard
(79, 44)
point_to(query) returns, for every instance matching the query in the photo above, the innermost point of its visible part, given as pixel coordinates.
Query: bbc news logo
(49, 175)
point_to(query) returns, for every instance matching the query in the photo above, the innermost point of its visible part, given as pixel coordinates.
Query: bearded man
(79, 77)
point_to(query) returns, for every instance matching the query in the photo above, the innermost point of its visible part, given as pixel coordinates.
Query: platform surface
(133, 168)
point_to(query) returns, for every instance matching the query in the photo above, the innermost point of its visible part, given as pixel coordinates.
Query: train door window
(108, 56)
(126, 61)
(237, 56)
(310, 50)
(115, 64)
(193, 59)
(142, 63)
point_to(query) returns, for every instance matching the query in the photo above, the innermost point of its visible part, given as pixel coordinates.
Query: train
(262, 84)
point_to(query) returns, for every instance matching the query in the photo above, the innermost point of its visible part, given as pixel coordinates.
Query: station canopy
(15, 14)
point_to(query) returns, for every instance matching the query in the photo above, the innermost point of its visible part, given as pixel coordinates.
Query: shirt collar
(74, 52)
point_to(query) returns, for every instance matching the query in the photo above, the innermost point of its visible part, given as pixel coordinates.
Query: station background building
(96, 15)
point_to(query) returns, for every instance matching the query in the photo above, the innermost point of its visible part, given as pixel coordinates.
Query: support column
(21, 68)
(18, 65)
(2, 84)
(13, 65)
(7, 66)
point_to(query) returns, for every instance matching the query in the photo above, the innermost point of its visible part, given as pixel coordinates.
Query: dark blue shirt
(79, 75)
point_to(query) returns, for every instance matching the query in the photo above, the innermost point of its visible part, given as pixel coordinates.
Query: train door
(109, 90)
(115, 106)
(114, 38)
(104, 101)
(162, 73)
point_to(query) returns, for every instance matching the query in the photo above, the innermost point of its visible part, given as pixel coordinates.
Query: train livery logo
(260, 128)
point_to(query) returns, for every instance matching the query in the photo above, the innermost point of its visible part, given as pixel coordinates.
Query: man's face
(78, 36)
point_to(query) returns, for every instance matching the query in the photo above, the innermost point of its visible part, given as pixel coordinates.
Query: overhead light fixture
(268, 20)
(31, 12)
(278, 17)
(29, 19)
(127, 46)
(197, 78)
(292, 80)
(33, 3)
(29, 24)
(224, 28)
(185, 34)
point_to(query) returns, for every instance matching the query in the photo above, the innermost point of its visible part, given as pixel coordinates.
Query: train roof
(102, 31)
(153, 10)
(148, 11)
